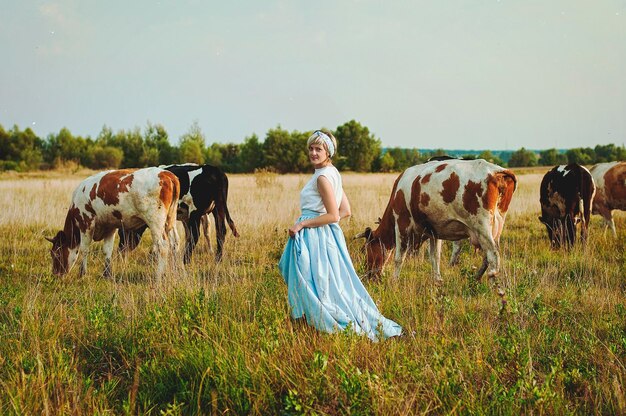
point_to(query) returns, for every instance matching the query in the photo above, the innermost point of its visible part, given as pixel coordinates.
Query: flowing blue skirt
(324, 287)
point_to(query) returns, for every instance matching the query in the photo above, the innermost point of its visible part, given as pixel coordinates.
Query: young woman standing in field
(323, 286)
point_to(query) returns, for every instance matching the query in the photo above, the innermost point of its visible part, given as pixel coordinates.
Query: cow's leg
(491, 256)
(174, 240)
(456, 252)
(174, 243)
(107, 247)
(85, 242)
(611, 224)
(584, 232)
(159, 248)
(186, 227)
(607, 217)
(204, 223)
(401, 250)
(492, 260)
(587, 200)
(192, 232)
(570, 231)
(435, 259)
(220, 232)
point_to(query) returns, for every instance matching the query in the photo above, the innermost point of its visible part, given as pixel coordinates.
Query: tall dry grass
(218, 339)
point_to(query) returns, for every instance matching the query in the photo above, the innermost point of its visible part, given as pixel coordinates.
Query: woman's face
(318, 155)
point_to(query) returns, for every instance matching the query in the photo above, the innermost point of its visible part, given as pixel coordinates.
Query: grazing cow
(203, 190)
(566, 195)
(610, 180)
(443, 200)
(104, 202)
(456, 245)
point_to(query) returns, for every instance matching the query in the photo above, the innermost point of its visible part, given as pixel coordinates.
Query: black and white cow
(203, 190)
(566, 195)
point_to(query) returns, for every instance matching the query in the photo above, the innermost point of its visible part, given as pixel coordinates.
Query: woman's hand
(295, 228)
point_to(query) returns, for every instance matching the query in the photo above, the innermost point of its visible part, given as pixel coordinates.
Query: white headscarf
(326, 139)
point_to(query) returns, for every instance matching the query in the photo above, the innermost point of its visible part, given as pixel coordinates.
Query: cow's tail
(170, 222)
(500, 189)
(224, 196)
(507, 184)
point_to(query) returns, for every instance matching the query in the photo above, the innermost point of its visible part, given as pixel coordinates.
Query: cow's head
(63, 257)
(561, 231)
(375, 253)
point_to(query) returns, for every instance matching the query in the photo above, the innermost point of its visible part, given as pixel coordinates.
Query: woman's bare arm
(344, 207)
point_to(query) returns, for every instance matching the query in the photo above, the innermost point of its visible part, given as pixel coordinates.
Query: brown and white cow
(610, 180)
(566, 195)
(443, 200)
(106, 201)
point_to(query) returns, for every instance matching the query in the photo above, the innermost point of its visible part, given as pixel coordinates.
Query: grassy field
(217, 339)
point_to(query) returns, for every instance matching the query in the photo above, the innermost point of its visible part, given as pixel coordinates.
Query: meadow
(217, 338)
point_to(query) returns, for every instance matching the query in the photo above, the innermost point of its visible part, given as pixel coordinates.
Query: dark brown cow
(443, 200)
(102, 203)
(610, 180)
(566, 197)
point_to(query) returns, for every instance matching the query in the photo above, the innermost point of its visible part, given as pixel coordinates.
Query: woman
(323, 286)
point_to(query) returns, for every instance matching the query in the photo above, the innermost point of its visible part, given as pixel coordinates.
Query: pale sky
(497, 74)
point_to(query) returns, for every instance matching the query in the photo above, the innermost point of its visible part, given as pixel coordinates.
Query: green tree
(490, 157)
(523, 157)
(437, 152)
(213, 155)
(403, 158)
(158, 149)
(65, 147)
(387, 162)
(582, 156)
(357, 146)
(107, 157)
(251, 154)
(130, 142)
(23, 149)
(286, 152)
(609, 153)
(191, 146)
(551, 157)
(230, 157)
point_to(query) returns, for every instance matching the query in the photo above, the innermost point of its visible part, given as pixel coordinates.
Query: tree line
(279, 151)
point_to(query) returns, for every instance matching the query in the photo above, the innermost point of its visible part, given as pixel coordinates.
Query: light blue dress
(322, 283)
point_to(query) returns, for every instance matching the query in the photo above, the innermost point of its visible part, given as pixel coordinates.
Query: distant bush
(265, 178)
(9, 165)
(107, 157)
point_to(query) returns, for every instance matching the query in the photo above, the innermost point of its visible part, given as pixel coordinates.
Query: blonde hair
(316, 138)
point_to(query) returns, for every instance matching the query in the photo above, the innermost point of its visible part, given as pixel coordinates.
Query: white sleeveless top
(310, 198)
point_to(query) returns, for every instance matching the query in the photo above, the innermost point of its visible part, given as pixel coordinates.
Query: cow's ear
(50, 239)
(541, 220)
(367, 234)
